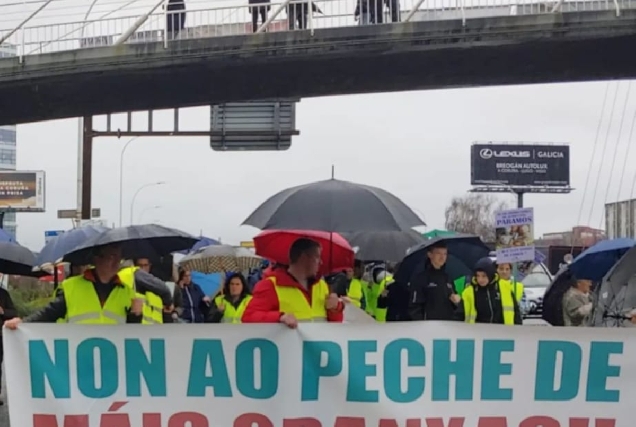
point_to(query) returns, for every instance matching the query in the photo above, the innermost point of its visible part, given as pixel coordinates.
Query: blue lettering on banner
(56, 370)
(492, 369)
(599, 370)
(97, 364)
(360, 370)
(571, 357)
(415, 356)
(208, 353)
(246, 364)
(462, 368)
(313, 369)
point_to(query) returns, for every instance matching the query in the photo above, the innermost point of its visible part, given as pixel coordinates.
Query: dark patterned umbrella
(335, 206)
(147, 241)
(219, 259)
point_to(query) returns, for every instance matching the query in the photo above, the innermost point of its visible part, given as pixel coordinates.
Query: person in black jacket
(432, 295)
(7, 311)
(395, 299)
(487, 296)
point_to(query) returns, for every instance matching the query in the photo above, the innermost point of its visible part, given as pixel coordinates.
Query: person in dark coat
(395, 299)
(432, 295)
(176, 17)
(196, 304)
(259, 7)
(7, 311)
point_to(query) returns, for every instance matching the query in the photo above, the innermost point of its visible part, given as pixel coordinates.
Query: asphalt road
(4, 413)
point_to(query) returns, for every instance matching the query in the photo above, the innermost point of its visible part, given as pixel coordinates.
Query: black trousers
(258, 10)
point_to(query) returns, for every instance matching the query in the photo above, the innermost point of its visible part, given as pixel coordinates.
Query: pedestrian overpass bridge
(130, 62)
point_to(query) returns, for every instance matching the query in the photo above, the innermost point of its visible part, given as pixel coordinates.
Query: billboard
(519, 165)
(22, 191)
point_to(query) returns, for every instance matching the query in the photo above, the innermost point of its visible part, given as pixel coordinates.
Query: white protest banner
(424, 374)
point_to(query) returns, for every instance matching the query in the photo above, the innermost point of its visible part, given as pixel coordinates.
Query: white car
(535, 284)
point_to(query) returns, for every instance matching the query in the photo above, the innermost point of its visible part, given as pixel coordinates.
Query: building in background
(8, 149)
(582, 236)
(620, 219)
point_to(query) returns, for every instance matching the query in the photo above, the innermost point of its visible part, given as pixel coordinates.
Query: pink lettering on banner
(114, 419)
(598, 422)
(188, 419)
(253, 420)
(50, 420)
(301, 422)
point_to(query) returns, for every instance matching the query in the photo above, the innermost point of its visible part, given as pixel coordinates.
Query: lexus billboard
(517, 165)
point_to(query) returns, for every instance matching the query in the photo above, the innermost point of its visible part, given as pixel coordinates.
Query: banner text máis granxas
(390, 375)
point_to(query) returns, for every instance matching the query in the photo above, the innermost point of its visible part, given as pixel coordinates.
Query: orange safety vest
(292, 301)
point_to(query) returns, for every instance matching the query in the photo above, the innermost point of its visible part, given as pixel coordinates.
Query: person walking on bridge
(295, 294)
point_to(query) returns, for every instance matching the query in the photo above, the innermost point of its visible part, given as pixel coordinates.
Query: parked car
(535, 284)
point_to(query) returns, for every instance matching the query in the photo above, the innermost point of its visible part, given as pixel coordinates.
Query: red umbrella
(274, 245)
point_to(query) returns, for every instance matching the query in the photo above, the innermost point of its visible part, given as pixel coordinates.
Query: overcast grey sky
(414, 144)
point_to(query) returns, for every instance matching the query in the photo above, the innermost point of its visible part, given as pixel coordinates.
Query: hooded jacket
(488, 298)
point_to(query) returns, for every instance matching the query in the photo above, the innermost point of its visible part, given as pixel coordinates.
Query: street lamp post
(121, 180)
(143, 212)
(132, 203)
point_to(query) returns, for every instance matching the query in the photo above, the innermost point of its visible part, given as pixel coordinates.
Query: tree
(474, 214)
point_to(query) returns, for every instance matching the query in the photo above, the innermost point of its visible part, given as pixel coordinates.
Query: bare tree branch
(474, 214)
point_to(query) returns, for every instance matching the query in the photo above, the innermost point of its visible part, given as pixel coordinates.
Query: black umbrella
(383, 245)
(552, 311)
(147, 241)
(334, 205)
(18, 260)
(463, 252)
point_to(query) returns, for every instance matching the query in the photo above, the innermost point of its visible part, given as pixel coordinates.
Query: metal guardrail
(109, 22)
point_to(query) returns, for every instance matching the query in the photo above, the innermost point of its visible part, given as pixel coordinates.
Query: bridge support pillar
(87, 166)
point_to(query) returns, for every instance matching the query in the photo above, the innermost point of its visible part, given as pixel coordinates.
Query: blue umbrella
(203, 242)
(6, 237)
(54, 251)
(597, 260)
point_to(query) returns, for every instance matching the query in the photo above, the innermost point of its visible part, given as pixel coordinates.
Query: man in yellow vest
(384, 279)
(504, 270)
(231, 304)
(356, 289)
(97, 297)
(154, 292)
(488, 300)
(295, 294)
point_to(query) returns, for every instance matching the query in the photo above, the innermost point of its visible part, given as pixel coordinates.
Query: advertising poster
(22, 191)
(514, 231)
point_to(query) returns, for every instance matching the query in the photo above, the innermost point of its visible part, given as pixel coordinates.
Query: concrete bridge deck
(570, 46)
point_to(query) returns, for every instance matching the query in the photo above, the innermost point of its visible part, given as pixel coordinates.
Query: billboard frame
(25, 209)
(488, 165)
(519, 190)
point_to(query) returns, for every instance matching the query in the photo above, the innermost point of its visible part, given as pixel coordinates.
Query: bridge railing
(217, 18)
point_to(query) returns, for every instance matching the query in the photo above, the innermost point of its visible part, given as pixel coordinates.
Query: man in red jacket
(295, 294)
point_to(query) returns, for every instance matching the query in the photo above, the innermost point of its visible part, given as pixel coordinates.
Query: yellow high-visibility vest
(231, 314)
(517, 287)
(152, 312)
(507, 304)
(292, 301)
(380, 313)
(83, 306)
(355, 292)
